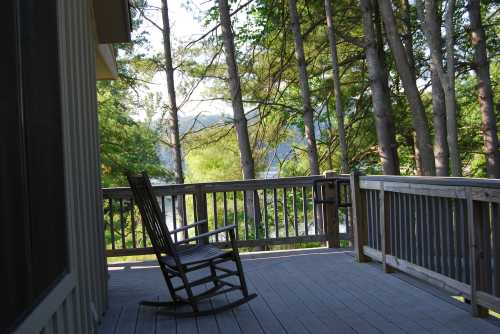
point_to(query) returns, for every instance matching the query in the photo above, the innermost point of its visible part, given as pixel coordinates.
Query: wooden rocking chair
(177, 259)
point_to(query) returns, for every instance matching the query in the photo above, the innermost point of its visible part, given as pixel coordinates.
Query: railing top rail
(227, 186)
(437, 181)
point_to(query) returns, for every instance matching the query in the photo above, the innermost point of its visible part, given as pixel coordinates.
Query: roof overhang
(105, 62)
(112, 21)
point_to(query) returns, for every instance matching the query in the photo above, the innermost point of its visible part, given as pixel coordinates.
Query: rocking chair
(177, 259)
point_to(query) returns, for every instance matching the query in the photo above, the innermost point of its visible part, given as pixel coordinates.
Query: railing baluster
(245, 215)
(214, 207)
(184, 214)
(143, 232)
(195, 209)
(122, 224)
(496, 247)
(449, 225)
(466, 241)
(275, 202)
(369, 218)
(285, 212)
(235, 214)
(444, 236)
(315, 215)
(398, 222)
(295, 218)
(486, 241)
(304, 210)
(457, 231)
(174, 215)
(435, 235)
(256, 214)
(425, 239)
(132, 218)
(111, 224)
(266, 223)
(224, 205)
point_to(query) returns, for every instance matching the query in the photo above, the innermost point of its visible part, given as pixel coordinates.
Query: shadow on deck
(303, 291)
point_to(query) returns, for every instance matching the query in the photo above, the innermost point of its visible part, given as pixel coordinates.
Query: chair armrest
(187, 227)
(207, 234)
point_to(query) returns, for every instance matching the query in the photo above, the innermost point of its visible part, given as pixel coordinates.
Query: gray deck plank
(110, 321)
(225, 320)
(279, 309)
(128, 319)
(304, 291)
(207, 324)
(268, 322)
(146, 320)
(244, 315)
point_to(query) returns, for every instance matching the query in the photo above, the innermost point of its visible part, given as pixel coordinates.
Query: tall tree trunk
(485, 93)
(239, 118)
(450, 95)
(432, 29)
(336, 87)
(173, 120)
(408, 36)
(441, 153)
(304, 89)
(377, 72)
(410, 86)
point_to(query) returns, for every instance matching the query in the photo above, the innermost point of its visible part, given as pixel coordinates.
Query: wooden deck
(306, 291)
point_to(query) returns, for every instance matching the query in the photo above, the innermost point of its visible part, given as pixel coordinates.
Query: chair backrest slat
(151, 214)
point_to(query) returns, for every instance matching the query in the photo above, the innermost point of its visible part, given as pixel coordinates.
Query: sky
(185, 26)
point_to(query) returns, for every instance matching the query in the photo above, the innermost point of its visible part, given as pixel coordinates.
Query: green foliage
(209, 161)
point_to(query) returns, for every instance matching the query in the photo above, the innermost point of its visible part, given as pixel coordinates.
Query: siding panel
(78, 307)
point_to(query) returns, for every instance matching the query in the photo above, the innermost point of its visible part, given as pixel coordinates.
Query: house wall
(78, 302)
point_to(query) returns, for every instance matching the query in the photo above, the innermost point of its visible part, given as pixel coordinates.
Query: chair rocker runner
(177, 259)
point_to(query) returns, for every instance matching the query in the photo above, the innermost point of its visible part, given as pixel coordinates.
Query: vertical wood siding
(78, 303)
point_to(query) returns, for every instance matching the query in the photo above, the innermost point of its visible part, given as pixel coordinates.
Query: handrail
(435, 180)
(220, 186)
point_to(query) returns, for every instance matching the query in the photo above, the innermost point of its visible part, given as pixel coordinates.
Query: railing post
(360, 232)
(331, 212)
(475, 222)
(201, 210)
(385, 227)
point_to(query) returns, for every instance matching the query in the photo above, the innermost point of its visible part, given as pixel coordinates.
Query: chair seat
(195, 254)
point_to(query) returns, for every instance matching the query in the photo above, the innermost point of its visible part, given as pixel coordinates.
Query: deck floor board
(304, 291)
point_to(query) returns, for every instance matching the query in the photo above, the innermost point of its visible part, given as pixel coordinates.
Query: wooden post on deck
(200, 197)
(478, 272)
(360, 232)
(385, 227)
(331, 212)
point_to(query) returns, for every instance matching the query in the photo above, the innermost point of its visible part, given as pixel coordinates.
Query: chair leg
(189, 291)
(213, 272)
(169, 284)
(241, 276)
(237, 261)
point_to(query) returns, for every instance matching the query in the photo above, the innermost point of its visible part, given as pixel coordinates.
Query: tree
(173, 120)
(432, 29)
(239, 118)
(485, 92)
(336, 86)
(126, 145)
(377, 73)
(410, 86)
(308, 110)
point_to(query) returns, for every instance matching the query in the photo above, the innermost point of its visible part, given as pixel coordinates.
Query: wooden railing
(442, 230)
(266, 212)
